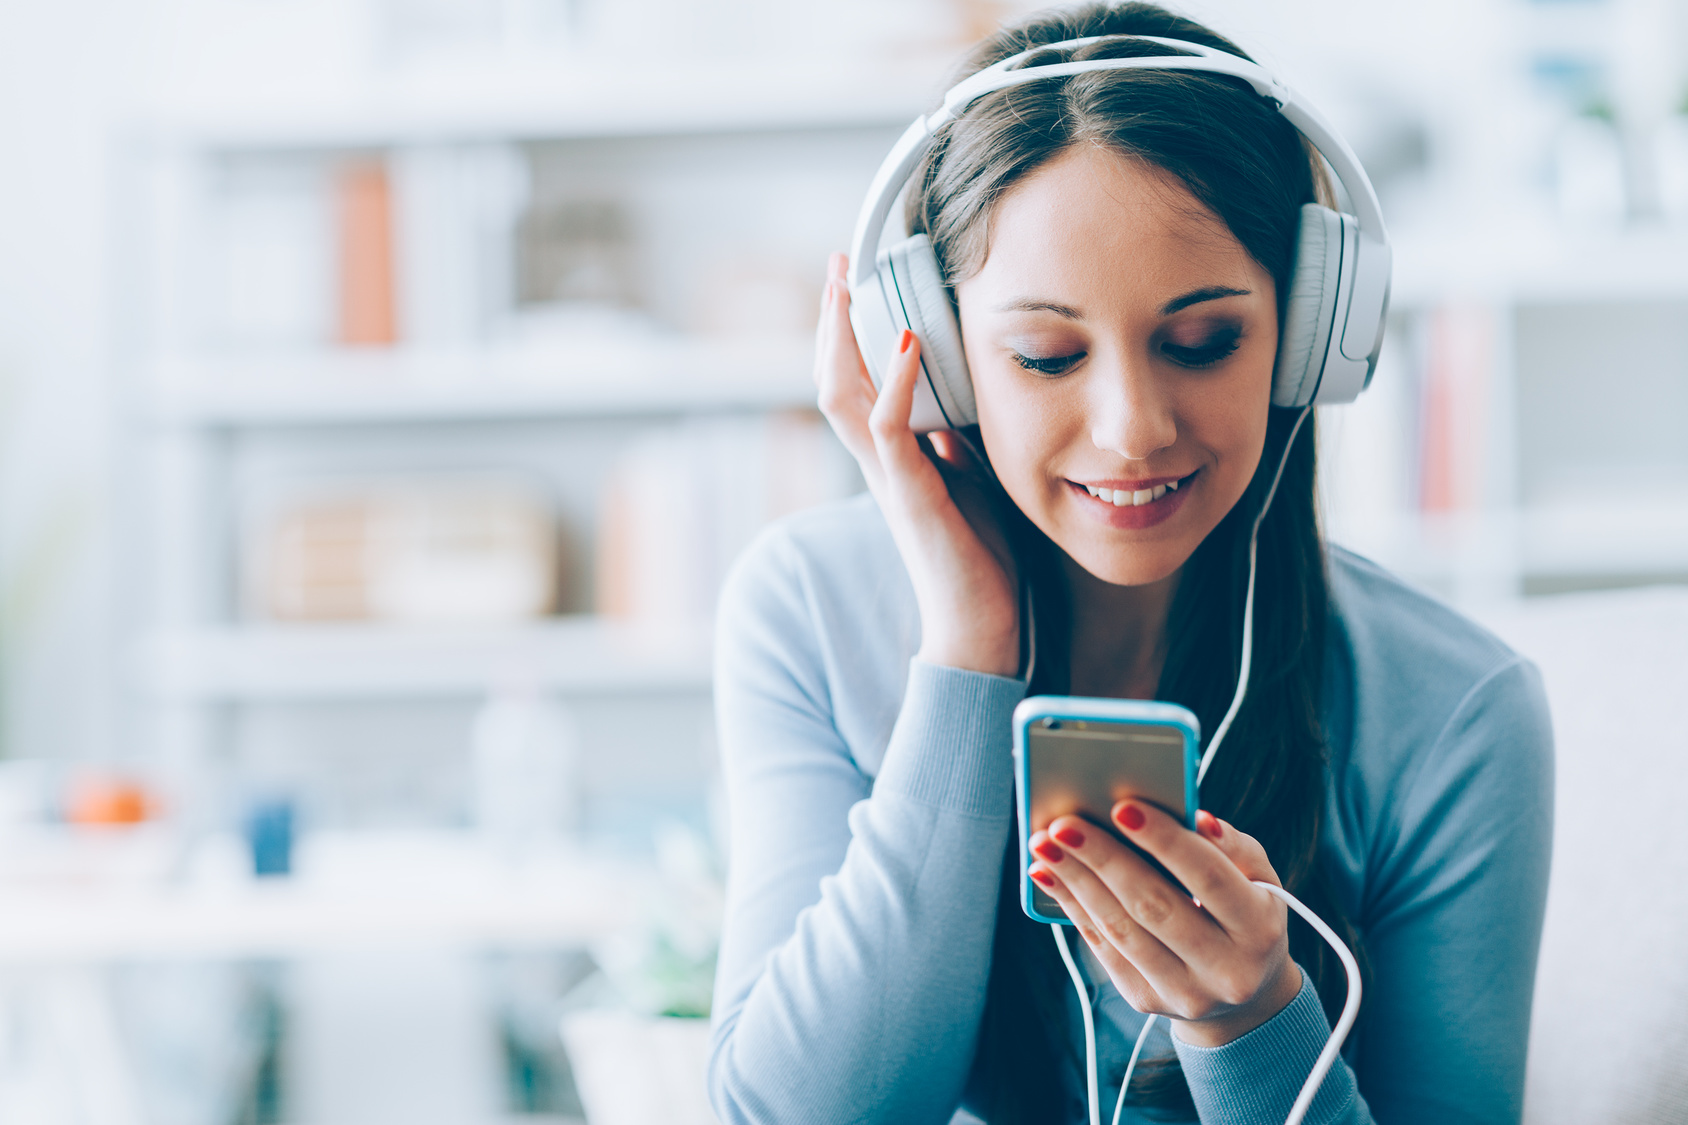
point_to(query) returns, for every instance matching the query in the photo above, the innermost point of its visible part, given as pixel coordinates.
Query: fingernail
(1209, 825)
(904, 341)
(1048, 852)
(1042, 877)
(1069, 836)
(1131, 818)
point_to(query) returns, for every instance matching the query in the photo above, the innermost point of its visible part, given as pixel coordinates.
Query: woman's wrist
(998, 657)
(1231, 1026)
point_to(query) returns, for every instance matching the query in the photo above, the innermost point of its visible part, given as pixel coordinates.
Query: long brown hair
(1242, 160)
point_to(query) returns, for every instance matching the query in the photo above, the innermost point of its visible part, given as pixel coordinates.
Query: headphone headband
(917, 140)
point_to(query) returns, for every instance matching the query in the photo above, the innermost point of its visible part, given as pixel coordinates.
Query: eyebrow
(1032, 304)
(1211, 293)
(1195, 297)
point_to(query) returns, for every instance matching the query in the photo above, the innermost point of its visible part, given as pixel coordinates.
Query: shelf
(90, 896)
(1543, 262)
(558, 101)
(569, 656)
(1564, 540)
(345, 387)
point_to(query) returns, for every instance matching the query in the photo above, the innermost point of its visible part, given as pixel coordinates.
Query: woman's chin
(1145, 566)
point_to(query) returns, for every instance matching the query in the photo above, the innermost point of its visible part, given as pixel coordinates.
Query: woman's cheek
(1024, 425)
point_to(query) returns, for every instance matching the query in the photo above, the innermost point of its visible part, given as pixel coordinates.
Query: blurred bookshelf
(555, 102)
(408, 318)
(568, 656)
(349, 892)
(1521, 435)
(344, 387)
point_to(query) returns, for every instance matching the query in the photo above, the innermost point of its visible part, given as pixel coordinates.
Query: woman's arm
(1453, 913)
(860, 913)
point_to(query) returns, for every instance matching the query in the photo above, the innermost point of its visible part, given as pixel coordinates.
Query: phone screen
(1086, 766)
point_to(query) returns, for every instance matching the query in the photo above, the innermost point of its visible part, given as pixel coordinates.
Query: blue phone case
(1080, 708)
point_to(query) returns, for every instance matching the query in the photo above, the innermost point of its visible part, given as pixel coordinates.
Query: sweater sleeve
(860, 913)
(1452, 925)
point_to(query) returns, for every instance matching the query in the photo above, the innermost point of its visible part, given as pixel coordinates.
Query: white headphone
(1339, 287)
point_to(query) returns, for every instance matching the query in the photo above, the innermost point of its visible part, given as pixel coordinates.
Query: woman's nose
(1129, 414)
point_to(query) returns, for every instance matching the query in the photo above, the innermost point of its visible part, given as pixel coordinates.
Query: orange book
(1455, 407)
(367, 300)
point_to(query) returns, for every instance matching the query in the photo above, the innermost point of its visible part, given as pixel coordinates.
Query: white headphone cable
(1136, 1050)
(1351, 1004)
(1089, 1020)
(1248, 606)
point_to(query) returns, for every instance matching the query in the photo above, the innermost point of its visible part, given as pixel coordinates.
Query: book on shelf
(1455, 385)
(368, 302)
(469, 551)
(683, 501)
(414, 246)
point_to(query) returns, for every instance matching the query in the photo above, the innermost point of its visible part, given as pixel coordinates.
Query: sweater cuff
(952, 745)
(1256, 1078)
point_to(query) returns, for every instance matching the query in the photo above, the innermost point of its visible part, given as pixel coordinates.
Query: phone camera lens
(1051, 724)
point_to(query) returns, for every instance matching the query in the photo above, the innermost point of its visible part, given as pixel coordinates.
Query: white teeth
(1124, 499)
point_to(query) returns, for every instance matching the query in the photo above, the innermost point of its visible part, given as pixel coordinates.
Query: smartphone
(1079, 756)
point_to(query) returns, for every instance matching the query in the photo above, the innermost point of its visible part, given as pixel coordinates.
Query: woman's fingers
(1198, 862)
(1121, 971)
(1241, 848)
(1140, 892)
(846, 394)
(899, 448)
(1073, 855)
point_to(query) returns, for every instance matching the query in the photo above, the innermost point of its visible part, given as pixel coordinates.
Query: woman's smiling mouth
(1133, 504)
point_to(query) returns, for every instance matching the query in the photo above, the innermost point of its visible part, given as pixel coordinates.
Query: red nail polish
(1048, 852)
(1210, 826)
(1042, 877)
(1131, 818)
(1069, 836)
(904, 342)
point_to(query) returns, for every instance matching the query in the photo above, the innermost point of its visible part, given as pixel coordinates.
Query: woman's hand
(963, 582)
(1218, 966)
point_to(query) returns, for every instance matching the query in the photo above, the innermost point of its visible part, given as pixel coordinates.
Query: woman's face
(1121, 342)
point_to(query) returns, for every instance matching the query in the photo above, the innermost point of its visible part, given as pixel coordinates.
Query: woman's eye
(1204, 355)
(1048, 365)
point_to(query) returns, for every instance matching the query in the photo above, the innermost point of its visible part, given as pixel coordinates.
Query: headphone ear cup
(1316, 294)
(919, 284)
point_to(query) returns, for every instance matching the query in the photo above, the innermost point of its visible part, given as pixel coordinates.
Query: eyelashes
(1213, 351)
(1204, 355)
(1048, 365)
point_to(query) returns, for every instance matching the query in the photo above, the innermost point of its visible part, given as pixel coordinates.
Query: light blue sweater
(871, 801)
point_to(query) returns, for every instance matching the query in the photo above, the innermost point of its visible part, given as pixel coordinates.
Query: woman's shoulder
(838, 555)
(1382, 615)
(1441, 758)
(1410, 679)
(818, 611)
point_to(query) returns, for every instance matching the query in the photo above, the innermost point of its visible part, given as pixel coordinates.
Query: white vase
(1589, 169)
(1670, 157)
(632, 1069)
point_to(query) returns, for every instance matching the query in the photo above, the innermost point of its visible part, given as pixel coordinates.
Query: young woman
(1118, 246)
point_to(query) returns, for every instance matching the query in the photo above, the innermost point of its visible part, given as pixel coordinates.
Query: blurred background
(385, 386)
